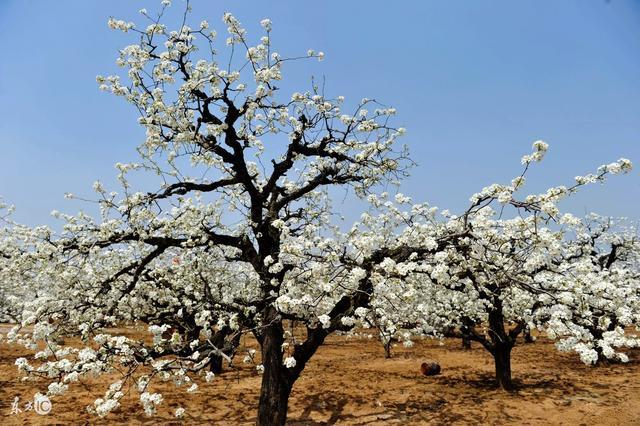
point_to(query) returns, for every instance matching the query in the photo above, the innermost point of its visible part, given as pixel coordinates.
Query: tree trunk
(527, 336)
(466, 341)
(227, 341)
(387, 349)
(216, 364)
(501, 345)
(465, 331)
(274, 400)
(276, 383)
(502, 360)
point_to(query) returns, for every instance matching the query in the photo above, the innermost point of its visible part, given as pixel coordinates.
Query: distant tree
(507, 263)
(602, 291)
(19, 265)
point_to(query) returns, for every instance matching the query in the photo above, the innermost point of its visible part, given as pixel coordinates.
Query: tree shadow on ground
(463, 391)
(335, 405)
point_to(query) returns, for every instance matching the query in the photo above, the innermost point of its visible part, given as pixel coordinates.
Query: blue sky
(474, 83)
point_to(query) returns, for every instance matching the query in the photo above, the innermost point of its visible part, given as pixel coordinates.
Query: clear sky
(474, 83)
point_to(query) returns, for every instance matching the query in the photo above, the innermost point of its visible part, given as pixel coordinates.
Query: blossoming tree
(20, 263)
(230, 242)
(11, 249)
(601, 289)
(498, 276)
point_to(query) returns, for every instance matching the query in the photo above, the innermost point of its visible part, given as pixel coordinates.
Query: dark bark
(502, 360)
(276, 383)
(218, 340)
(501, 345)
(278, 380)
(274, 399)
(466, 341)
(465, 332)
(216, 364)
(227, 340)
(527, 336)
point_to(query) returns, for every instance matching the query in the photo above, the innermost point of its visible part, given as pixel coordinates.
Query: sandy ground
(350, 382)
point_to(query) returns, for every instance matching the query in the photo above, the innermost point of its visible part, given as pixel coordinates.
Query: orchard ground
(350, 382)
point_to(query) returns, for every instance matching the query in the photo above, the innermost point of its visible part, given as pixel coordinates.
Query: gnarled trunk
(274, 399)
(276, 383)
(501, 345)
(502, 360)
(277, 379)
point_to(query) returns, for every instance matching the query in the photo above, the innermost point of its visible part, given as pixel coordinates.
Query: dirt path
(349, 382)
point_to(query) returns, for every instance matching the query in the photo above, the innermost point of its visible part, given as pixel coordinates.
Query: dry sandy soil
(349, 382)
